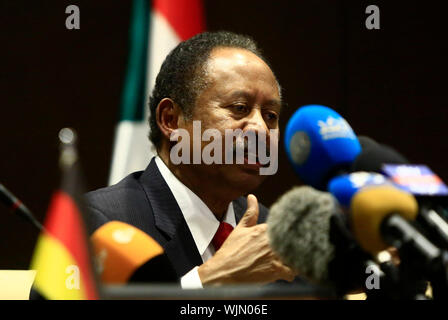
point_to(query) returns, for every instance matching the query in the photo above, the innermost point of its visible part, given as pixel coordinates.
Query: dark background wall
(387, 83)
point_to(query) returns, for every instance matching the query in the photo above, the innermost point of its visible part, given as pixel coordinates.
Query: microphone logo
(361, 179)
(333, 128)
(300, 147)
(123, 236)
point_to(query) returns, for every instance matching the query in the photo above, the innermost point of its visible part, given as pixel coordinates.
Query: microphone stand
(421, 261)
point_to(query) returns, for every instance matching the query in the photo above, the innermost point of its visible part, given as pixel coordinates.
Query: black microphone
(376, 157)
(373, 155)
(380, 217)
(309, 233)
(16, 206)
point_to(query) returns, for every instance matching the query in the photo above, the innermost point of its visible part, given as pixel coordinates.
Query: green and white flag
(163, 27)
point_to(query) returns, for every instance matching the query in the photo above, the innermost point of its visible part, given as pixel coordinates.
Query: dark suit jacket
(144, 200)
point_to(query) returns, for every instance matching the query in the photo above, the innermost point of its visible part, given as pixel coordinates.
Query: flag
(62, 256)
(167, 23)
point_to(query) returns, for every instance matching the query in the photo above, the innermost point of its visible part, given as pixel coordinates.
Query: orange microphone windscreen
(120, 249)
(371, 205)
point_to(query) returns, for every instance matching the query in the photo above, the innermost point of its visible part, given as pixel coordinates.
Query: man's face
(242, 93)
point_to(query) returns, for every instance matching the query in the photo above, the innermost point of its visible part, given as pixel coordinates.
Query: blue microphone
(344, 187)
(320, 144)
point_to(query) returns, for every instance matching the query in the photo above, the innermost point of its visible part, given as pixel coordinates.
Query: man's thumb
(250, 217)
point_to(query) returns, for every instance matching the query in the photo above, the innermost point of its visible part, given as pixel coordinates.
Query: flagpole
(73, 181)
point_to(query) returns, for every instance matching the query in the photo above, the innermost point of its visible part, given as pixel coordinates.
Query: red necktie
(221, 235)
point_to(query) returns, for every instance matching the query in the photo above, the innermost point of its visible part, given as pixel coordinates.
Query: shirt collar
(200, 219)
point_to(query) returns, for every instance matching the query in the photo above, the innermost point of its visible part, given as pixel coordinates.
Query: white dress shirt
(200, 220)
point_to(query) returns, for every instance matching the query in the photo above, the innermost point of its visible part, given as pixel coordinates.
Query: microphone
(402, 282)
(125, 254)
(380, 218)
(416, 179)
(373, 155)
(320, 144)
(17, 206)
(429, 190)
(344, 187)
(370, 206)
(310, 235)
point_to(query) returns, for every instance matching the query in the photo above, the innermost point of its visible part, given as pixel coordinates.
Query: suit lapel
(169, 220)
(180, 246)
(239, 207)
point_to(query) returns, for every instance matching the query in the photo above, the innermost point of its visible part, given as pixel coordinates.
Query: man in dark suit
(221, 80)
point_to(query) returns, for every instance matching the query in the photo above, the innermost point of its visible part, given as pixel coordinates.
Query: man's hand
(245, 256)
